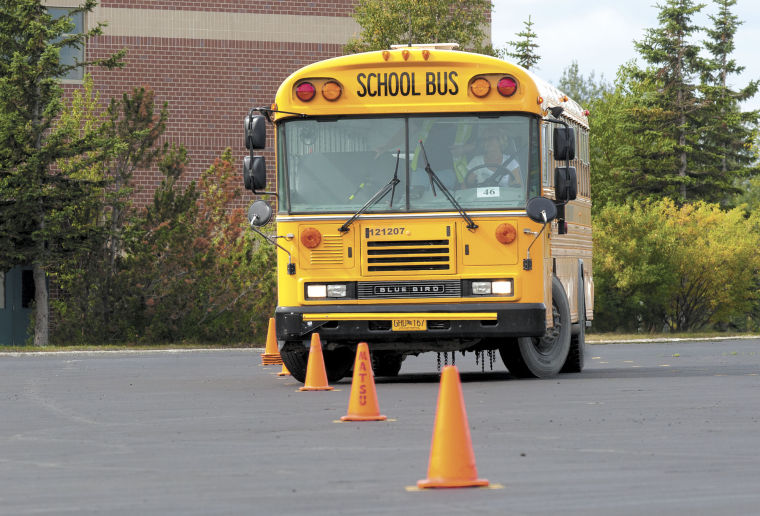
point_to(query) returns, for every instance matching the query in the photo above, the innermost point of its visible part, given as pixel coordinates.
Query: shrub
(658, 266)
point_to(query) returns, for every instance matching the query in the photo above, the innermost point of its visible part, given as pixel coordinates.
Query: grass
(128, 347)
(627, 337)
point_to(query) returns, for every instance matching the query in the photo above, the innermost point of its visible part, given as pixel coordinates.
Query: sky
(599, 34)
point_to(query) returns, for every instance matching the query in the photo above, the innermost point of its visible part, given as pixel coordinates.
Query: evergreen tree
(632, 157)
(727, 152)
(392, 22)
(525, 48)
(582, 89)
(35, 194)
(674, 65)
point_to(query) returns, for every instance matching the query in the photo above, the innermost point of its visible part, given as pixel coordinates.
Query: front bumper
(350, 324)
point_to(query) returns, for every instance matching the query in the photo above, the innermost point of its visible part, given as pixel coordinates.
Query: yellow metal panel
(335, 251)
(371, 84)
(397, 247)
(451, 316)
(482, 248)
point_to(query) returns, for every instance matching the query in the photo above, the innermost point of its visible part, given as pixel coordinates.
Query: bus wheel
(386, 363)
(338, 362)
(542, 357)
(295, 355)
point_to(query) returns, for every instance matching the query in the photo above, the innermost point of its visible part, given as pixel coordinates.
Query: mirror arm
(557, 121)
(262, 192)
(267, 112)
(527, 262)
(291, 265)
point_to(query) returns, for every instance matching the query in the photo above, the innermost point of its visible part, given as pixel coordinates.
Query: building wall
(211, 61)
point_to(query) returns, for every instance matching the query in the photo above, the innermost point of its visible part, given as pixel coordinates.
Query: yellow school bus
(428, 200)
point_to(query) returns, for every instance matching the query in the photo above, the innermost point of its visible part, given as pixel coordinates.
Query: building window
(2, 290)
(71, 55)
(27, 288)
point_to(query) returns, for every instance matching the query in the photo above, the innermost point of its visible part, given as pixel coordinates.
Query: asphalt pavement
(653, 428)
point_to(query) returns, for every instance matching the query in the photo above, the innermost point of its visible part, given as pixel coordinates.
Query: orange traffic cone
(362, 405)
(284, 371)
(452, 462)
(271, 355)
(316, 374)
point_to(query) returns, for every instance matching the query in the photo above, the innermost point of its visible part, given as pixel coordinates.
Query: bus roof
(417, 79)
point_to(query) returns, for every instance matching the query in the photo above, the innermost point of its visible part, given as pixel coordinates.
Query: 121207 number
(384, 231)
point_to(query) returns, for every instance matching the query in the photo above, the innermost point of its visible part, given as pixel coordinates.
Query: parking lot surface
(646, 428)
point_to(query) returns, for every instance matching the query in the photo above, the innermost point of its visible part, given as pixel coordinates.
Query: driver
(494, 161)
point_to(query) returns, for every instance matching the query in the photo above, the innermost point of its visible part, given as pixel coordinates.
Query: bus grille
(408, 289)
(408, 255)
(330, 252)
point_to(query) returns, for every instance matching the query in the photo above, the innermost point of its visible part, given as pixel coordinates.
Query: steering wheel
(492, 180)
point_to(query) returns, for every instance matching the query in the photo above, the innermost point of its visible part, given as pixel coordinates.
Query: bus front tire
(295, 356)
(542, 357)
(386, 363)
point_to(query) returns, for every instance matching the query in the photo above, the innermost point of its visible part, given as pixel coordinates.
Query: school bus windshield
(338, 164)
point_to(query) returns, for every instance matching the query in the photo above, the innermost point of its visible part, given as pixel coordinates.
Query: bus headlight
(501, 288)
(336, 290)
(316, 291)
(492, 288)
(322, 291)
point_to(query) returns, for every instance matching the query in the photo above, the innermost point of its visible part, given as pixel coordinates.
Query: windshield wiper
(390, 187)
(435, 180)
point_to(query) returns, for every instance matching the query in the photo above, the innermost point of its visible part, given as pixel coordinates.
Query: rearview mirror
(254, 172)
(565, 183)
(255, 132)
(259, 213)
(564, 143)
(541, 210)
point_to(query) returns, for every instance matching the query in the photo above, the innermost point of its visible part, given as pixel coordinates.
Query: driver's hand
(476, 177)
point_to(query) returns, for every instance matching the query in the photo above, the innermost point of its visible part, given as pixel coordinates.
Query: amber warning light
(311, 238)
(480, 87)
(331, 90)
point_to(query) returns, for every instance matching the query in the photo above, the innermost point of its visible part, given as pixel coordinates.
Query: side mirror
(255, 132)
(565, 183)
(259, 213)
(564, 143)
(254, 172)
(541, 210)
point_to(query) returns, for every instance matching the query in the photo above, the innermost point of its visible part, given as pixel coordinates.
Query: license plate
(409, 325)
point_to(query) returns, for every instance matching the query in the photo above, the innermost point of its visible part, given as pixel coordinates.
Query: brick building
(211, 61)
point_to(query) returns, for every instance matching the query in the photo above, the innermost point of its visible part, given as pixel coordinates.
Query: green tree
(749, 197)
(129, 133)
(632, 157)
(660, 265)
(525, 47)
(728, 133)
(196, 272)
(35, 194)
(390, 22)
(674, 65)
(582, 89)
